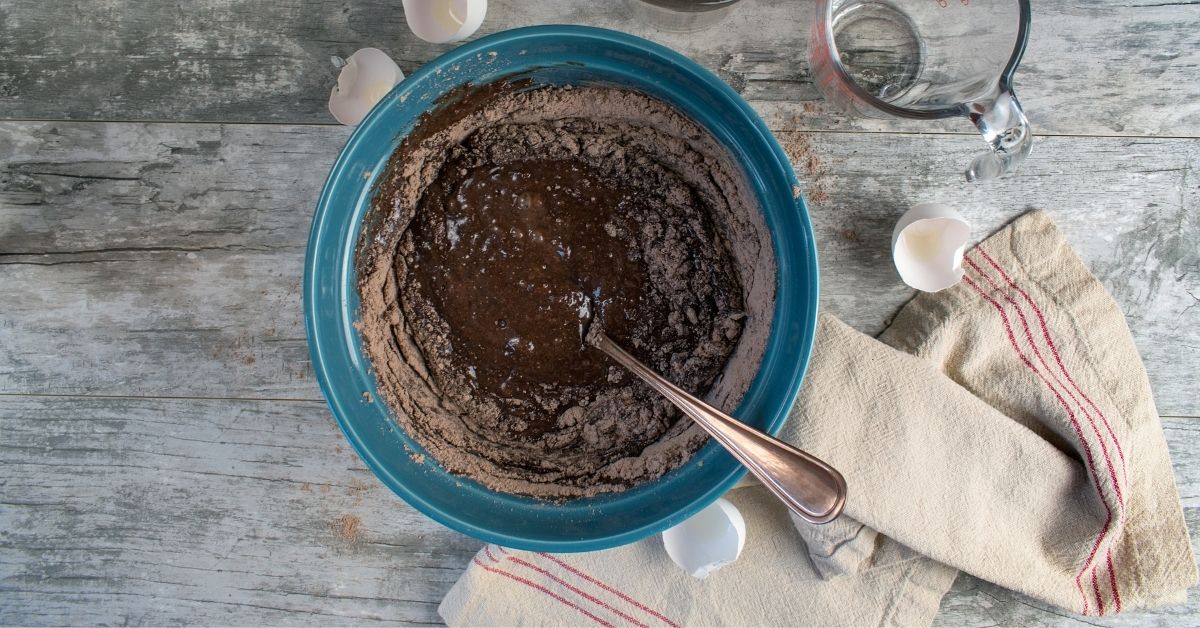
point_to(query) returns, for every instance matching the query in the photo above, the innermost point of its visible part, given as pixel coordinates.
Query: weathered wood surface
(1092, 67)
(164, 454)
(147, 511)
(160, 511)
(180, 247)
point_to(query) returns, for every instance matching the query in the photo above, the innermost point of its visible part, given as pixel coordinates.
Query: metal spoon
(810, 487)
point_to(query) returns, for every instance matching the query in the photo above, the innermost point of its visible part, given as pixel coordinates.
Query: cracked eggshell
(709, 540)
(444, 21)
(367, 77)
(928, 245)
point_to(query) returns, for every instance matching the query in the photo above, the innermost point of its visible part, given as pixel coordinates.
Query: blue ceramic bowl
(552, 55)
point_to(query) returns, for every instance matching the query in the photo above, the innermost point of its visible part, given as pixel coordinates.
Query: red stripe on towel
(1054, 351)
(1067, 374)
(610, 589)
(1112, 578)
(1087, 450)
(538, 587)
(1112, 471)
(576, 590)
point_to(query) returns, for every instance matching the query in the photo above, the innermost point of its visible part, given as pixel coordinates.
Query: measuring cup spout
(1006, 130)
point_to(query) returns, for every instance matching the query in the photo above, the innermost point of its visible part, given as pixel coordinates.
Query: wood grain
(180, 247)
(165, 455)
(161, 511)
(143, 511)
(1092, 67)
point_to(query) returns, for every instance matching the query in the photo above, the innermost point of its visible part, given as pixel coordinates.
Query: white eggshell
(367, 77)
(444, 21)
(928, 245)
(709, 540)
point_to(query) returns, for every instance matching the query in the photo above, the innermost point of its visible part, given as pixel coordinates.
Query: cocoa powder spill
(348, 528)
(813, 172)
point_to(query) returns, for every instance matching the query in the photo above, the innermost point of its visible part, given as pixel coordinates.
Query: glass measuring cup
(928, 59)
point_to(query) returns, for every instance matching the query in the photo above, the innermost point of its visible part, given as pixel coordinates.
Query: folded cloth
(1003, 427)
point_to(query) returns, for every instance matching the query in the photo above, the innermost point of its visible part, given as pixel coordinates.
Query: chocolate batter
(509, 220)
(515, 258)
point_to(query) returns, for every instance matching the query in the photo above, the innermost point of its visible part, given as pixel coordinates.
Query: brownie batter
(507, 222)
(515, 258)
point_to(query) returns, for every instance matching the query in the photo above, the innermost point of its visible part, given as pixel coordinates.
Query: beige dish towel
(1003, 427)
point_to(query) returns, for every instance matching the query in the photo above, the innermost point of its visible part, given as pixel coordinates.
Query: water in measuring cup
(879, 46)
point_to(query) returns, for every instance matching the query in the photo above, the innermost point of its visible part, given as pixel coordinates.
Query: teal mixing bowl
(551, 55)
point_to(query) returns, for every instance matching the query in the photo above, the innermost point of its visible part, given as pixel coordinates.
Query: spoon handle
(811, 488)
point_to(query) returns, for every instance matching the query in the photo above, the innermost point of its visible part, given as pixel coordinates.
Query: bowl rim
(805, 314)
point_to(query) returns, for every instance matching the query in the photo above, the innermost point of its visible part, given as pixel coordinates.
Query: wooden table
(166, 453)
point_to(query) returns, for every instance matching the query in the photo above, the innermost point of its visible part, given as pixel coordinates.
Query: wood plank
(150, 511)
(180, 247)
(1096, 67)
(179, 187)
(161, 511)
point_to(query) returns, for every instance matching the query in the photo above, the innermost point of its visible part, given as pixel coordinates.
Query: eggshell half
(709, 540)
(444, 21)
(367, 77)
(928, 245)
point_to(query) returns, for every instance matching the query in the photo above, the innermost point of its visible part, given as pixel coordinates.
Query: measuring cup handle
(1006, 130)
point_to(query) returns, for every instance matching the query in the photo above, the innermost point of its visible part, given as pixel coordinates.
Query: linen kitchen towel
(1003, 427)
